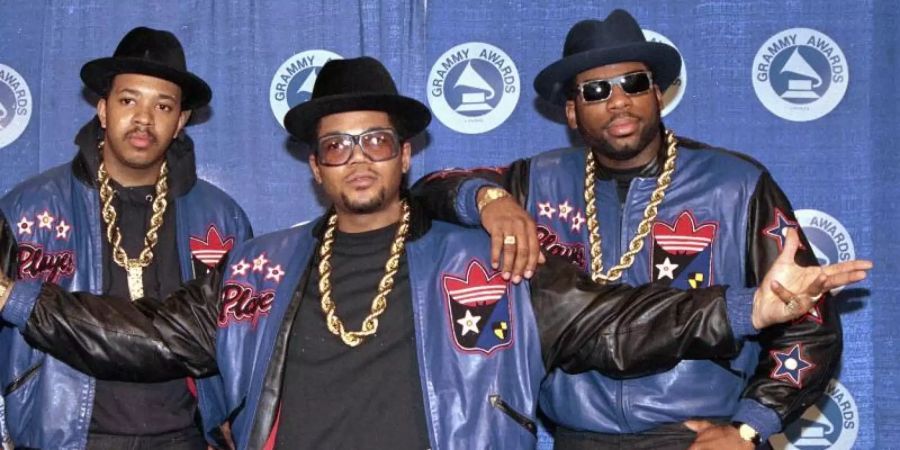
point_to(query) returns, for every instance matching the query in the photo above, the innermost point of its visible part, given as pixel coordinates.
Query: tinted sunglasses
(378, 145)
(600, 90)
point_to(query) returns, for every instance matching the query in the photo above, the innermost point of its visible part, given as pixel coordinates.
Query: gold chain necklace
(134, 266)
(379, 303)
(637, 243)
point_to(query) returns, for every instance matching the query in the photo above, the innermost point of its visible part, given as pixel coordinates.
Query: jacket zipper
(518, 417)
(19, 382)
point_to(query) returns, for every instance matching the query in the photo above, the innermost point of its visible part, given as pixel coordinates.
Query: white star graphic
(546, 210)
(25, 226)
(577, 220)
(564, 209)
(240, 268)
(275, 273)
(469, 323)
(62, 230)
(666, 270)
(45, 220)
(260, 262)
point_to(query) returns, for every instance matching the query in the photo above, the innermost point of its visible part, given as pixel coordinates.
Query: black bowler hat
(595, 43)
(146, 51)
(359, 84)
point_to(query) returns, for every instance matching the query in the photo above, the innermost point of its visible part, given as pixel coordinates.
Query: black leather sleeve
(437, 192)
(817, 335)
(624, 331)
(145, 341)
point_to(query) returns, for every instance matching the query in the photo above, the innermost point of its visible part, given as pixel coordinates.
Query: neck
(644, 157)
(130, 177)
(350, 222)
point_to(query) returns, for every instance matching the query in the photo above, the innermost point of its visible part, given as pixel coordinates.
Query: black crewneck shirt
(370, 396)
(143, 409)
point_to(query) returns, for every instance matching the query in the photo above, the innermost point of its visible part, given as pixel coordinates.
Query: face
(360, 186)
(140, 116)
(623, 126)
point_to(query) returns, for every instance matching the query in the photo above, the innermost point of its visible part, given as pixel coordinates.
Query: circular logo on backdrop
(831, 424)
(829, 239)
(673, 94)
(800, 74)
(473, 87)
(294, 80)
(15, 105)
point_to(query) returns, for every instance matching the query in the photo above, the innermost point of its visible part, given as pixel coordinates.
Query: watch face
(748, 433)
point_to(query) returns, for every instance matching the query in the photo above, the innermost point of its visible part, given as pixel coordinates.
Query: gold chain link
(379, 304)
(643, 229)
(108, 212)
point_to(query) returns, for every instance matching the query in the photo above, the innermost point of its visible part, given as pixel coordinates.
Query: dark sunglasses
(600, 90)
(378, 145)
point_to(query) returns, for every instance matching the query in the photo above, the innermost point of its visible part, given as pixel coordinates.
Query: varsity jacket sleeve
(780, 391)
(450, 195)
(625, 331)
(145, 341)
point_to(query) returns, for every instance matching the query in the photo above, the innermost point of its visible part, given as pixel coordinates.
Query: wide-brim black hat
(146, 51)
(359, 84)
(595, 43)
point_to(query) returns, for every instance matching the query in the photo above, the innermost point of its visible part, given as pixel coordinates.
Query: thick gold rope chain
(637, 243)
(114, 234)
(379, 303)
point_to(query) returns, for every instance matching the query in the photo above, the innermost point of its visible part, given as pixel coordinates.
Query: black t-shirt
(370, 396)
(142, 408)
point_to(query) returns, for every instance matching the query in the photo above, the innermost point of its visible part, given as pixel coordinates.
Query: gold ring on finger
(509, 240)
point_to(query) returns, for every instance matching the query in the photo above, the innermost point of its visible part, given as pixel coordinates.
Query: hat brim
(302, 119)
(97, 75)
(663, 60)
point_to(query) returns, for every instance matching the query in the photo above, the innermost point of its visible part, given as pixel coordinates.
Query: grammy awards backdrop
(809, 88)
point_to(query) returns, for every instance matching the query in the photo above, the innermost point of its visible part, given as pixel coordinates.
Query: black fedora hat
(594, 43)
(146, 51)
(358, 84)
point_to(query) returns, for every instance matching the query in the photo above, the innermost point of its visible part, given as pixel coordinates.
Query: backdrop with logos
(809, 88)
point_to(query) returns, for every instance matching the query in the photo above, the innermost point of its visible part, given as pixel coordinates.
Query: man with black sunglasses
(642, 205)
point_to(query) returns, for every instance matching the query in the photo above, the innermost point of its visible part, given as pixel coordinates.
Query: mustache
(621, 115)
(142, 130)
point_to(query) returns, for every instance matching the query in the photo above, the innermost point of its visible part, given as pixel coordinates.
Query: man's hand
(716, 437)
(514, 235)
(788, 291)
(5, 288)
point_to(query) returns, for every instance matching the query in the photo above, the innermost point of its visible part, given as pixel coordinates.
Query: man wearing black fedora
(374, 327)
(642, 205)
(127, 218)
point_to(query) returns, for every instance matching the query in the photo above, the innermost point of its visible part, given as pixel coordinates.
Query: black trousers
(188, 439)
(673, 436)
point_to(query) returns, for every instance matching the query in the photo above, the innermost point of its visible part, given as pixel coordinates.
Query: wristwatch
(747, 432)
(491, 193)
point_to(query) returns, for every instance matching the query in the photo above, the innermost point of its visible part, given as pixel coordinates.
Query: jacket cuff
(21, 301)
(467, 201)
(764, 420)
(739, 304)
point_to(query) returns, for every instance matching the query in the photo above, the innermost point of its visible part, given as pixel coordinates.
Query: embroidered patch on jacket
(682, 252)
(241, 302)
(479, 309)
(777, 230)
(790, 365)
(551, 243)
(45, 220)
(211, 250)
(36, 262)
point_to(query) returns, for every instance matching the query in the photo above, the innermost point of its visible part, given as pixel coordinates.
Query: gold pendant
(135, 280)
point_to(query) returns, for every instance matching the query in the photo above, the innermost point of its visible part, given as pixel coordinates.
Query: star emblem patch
(790, 365)
(25, 226)
(777, 230)
(479, 309)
